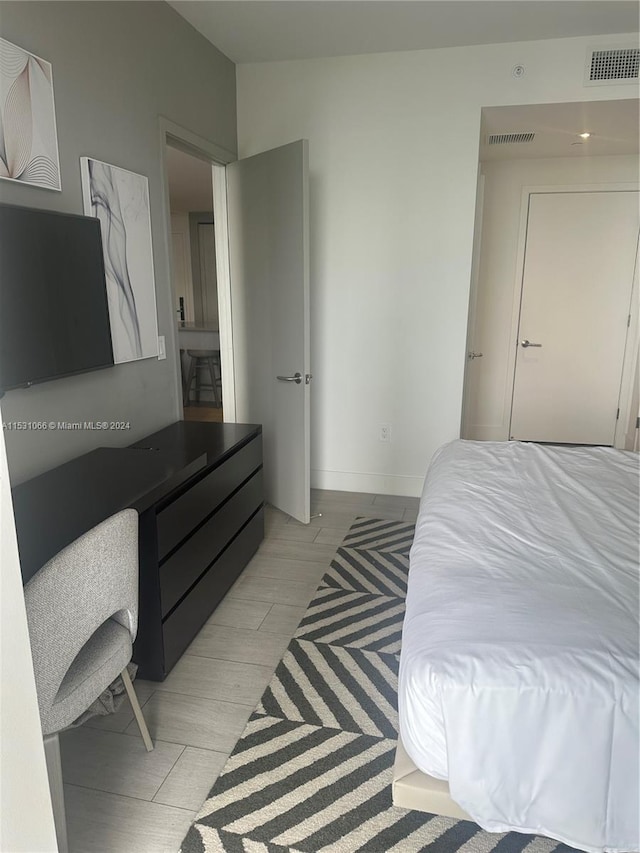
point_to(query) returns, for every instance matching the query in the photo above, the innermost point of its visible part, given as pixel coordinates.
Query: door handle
(297, 378)
(526, 344)
(472, 355)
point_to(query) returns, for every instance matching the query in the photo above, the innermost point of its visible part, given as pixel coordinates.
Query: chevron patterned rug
(312, 770)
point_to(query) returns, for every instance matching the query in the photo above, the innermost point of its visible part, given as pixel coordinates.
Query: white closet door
(578, 274)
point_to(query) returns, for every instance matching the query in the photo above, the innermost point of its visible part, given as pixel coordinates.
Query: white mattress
(519, 664)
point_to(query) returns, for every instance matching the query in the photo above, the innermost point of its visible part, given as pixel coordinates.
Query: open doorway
(585, 155)
(194, 284)
(261, 232)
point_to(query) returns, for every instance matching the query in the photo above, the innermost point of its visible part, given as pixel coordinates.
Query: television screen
(54, 318)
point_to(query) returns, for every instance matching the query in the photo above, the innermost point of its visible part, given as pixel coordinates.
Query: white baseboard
(379, 484)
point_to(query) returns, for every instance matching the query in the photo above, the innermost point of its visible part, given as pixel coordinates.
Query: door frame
(173, 134)
(630, 378)
(631, 351)
(476, 254)
(223, 275)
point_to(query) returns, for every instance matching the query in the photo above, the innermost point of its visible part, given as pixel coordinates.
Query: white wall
(26, 817)
(393, 161)
(491, 378)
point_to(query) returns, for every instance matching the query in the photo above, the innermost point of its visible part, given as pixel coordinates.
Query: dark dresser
(198, 490)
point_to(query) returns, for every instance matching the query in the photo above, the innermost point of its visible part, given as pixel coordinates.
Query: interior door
(578, 273)
(268, 208)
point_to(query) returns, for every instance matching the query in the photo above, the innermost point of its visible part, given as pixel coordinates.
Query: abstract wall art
(120, 200)
(28, 137)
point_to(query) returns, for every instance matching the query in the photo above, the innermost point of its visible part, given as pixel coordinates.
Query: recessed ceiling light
(585, 135)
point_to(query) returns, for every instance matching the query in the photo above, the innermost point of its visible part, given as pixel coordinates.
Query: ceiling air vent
(612, 65)
(509, 138)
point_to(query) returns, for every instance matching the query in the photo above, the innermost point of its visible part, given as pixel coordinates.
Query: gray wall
(117, 66)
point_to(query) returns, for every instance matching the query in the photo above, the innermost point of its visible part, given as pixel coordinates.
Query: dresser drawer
(179, 518)
(186, 564)
(180, 628)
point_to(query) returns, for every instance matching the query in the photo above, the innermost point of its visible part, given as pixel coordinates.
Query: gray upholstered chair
(82, 611)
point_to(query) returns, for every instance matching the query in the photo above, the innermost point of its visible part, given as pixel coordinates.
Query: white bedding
(519, 664)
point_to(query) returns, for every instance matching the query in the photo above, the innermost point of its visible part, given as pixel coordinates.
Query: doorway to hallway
(194, 284)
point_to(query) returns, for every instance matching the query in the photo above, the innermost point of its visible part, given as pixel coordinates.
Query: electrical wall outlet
(385, 433)
(162, 350)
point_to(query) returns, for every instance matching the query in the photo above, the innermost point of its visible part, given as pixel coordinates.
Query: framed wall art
(28, 135)
(120, 200)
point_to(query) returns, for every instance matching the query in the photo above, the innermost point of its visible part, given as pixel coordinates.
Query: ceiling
(272, 30)
(190, 183)
(613, 126)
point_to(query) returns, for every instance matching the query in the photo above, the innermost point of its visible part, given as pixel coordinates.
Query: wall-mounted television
(54, 317)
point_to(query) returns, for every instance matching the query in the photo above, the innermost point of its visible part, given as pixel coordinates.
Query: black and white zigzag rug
(312, 771)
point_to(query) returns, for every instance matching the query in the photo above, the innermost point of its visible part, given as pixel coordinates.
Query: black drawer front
(179, 518)
(186, 564)
(185, 622)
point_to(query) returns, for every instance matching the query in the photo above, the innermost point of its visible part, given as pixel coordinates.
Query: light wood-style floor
(203, 412)
(121, 799)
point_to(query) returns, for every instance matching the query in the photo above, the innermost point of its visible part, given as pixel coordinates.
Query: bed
(518, 688)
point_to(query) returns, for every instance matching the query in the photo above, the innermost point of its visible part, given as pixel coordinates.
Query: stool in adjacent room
(204, 359)
(183, 377)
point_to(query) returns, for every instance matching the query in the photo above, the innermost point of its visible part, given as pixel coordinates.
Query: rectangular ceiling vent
(612, 66)
(509, 138)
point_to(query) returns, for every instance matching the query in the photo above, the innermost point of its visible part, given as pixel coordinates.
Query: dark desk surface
(183, 442)
(52, 510)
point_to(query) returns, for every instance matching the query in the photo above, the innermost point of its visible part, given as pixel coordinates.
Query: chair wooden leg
(54, 772)
(189, 383)
(137, 710)
(183, 376)
(198, 378)
(214, 382)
